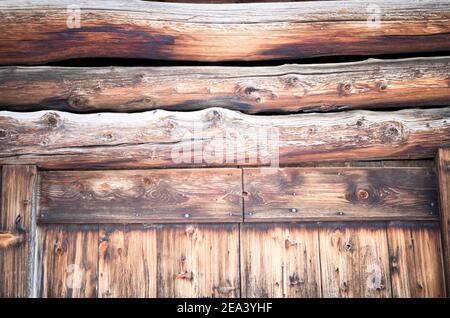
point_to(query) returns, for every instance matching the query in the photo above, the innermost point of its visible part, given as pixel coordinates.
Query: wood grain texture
(17, 218)
(218, 32)
(137, 196)
(280, 260)
(67, 261)
(443, 168)
(198, 261)
(9, 239)
(415, 257)
(127, 261)
(354, 261)
(217, 137)
(281, 89)
(340, 194)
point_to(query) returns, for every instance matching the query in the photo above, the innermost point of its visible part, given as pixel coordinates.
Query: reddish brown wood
(219, 32)
(17, 219)
(443, 168)
(281, 89)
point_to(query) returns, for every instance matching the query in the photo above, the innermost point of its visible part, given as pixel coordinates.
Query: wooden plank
(137, 196)
(340, 194)
(217, 137)
(127, 261)
(198, 261)
(443, 167)
(218, 32)
(354, 260)
(17, 221)
(67, 261)
(415, 257)
(280, 260)
(280, 89)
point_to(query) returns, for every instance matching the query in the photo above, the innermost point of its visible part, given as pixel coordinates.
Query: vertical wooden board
(17, 217)
(280, 260)
(127, 261)
(67, 261)
(415, 256)
(354, 260)
(443, 167)
(198, 261)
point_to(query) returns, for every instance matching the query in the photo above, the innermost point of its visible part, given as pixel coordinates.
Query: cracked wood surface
(218, 32)
(217, 137)
(278, 89)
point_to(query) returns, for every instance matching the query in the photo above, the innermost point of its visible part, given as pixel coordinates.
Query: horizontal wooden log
(217, 137)
(40, 31)
(154, 196)
(280, 89)
(334, 194)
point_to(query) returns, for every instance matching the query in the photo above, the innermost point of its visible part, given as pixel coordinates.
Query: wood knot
(214, 116)
(51, 119)
(382, 85)
(391, 132)
(3, 133)
(360, 123)
(348, 246)
(291, 82)
(60, 248)
(77, 102)
(108, 135)
(185, 275)
(362, 194)
(249, 92)
(294, 280)
(288, 243)
(345, 88)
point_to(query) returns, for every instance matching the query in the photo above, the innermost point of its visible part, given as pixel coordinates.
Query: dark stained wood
(127, 261)
(198, 261)
(217, 137)
(415, 257)
(340, 194)
(17, 222)
(280, 260)
(219, 32)
(67, 261)
(354, 260)
(280, 89)
(136, 196)
(443, 167)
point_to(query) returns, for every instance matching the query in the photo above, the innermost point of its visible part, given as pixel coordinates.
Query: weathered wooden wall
(276, 260)
(171, 199)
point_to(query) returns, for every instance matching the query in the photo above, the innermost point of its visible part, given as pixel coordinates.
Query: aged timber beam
(340, 194)
(137, 196)
(443, 169)
(217, 137)
(57, 30)
(280, 89)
